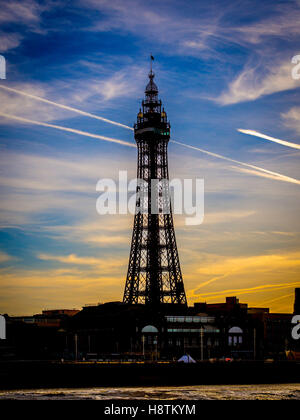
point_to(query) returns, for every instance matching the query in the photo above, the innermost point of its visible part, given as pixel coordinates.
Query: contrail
(250, 290)
(264, 136)
(71, 130)
(257, 168)
(68, 108)
(125, 143)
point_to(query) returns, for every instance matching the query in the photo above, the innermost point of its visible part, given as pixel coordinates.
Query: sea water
(199, 392)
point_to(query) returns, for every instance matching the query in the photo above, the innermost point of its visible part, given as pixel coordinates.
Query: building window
(235, 336)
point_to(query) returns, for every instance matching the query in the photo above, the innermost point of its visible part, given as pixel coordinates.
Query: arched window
(235, 336)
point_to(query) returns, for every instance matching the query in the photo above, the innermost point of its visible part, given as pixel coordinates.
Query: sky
(220, 66)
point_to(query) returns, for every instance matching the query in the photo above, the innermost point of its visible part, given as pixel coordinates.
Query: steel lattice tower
(154, 276)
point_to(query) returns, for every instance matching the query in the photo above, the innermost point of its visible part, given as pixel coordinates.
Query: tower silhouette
(154, 275)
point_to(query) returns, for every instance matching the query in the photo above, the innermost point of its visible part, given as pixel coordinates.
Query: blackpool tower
(154, 275)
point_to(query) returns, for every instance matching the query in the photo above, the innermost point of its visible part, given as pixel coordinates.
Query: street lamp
(76, 346)
(201, 340)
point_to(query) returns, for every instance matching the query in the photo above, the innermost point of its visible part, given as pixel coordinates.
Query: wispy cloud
(70, 259)
(21, 14)
(197, 28)
(159, 21)
(94, 92)
(9, 41)
(226, 217)
(283, 23)
(108, 265)
(33, 184)
(4, 257)
(292, 118)
(26, 12)
(93, 233)
(25, 106)
(255, 82)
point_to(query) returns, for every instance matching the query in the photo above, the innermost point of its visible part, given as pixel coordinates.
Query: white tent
(186, 358)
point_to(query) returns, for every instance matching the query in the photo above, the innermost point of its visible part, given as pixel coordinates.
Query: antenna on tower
(151, 59)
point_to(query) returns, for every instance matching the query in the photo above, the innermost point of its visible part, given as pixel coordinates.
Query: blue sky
(219, 66)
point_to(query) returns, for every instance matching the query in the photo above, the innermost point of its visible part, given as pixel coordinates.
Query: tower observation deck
(154, 275)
